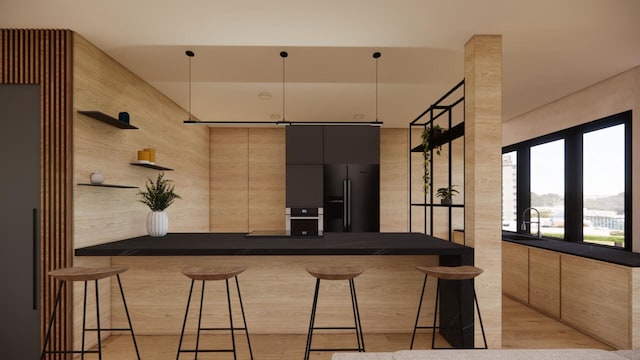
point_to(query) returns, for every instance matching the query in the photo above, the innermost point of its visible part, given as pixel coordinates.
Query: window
(604, 186)
(579, 180)
(509, 191)
(547, 188)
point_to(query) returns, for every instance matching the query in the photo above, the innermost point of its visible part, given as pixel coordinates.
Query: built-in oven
(304, 221)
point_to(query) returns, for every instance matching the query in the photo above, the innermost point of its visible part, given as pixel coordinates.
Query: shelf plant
(159, 195)
(428, 134)
(446, 194)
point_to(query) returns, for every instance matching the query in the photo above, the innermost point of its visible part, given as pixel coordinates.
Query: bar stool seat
(197, 273)
(450, 273)
(335, 273)
(86, 274)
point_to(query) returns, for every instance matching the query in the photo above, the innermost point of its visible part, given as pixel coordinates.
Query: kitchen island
(277, 291)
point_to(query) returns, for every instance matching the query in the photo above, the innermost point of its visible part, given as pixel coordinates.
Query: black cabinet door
(351, 145)
(304, 145)
(19, 220)
(304, 185)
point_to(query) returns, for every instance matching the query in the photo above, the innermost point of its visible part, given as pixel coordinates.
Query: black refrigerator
(351, 198)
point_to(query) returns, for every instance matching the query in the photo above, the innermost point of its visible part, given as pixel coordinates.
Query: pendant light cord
(283, 55)
(190, 54)
(376, 55)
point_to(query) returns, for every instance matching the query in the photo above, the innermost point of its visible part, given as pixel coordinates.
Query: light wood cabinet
(596, 299)
(544, 281)
(515, 271)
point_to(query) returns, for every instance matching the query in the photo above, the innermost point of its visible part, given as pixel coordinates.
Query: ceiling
(551, 48)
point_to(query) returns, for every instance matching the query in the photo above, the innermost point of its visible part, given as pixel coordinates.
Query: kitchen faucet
(524, 226)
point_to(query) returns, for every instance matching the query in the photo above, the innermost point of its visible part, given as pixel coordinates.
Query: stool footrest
(206, 350)
(110, 329)
(334, 328)
(222, 329)
(337, 349)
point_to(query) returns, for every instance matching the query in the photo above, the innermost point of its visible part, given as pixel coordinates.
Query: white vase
(157, 223)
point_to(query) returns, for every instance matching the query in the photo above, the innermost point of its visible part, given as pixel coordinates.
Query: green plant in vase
(428, 134)
(159, 195)
(446, 194)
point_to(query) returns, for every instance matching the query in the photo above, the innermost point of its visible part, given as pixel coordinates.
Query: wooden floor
(522, 327)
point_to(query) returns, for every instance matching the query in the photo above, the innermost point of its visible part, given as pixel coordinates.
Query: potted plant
(158, 196)
(446, 193)
(428, 134)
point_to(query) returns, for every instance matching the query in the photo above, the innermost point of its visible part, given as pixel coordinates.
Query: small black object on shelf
(109, 119)
(152, 166)
(109, 185)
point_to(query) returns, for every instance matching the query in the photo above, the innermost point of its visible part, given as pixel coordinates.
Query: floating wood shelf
(447, 136)
(439, 205)
(109, 185)
(108, 119)
(152, 166)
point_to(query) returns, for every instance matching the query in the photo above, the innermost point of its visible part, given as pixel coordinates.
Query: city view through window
(603, 182)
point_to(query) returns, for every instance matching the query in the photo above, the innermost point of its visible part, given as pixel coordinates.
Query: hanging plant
(428, 134)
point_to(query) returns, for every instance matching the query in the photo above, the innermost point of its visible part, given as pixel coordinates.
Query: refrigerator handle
(345, 204)
(348, 204)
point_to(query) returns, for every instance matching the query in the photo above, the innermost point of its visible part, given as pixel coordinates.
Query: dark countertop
(180, 244)
(591, 251)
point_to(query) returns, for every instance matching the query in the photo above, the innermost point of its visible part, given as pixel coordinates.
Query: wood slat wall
(30, 56)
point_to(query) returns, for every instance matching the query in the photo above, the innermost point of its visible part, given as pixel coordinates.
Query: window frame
(573, 175)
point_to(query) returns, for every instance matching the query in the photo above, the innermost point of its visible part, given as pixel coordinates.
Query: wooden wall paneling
(229, 191)
(394, 177)
(45, 57)
(515, 276)
(635, 308)
(596, 299)
(275, 288)
(544, 281)
(267, 153)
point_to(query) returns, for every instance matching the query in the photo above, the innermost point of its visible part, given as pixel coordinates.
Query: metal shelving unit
(441, 111)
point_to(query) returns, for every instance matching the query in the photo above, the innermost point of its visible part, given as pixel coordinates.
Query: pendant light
(190, 54)
(283, 122)
(376, 55)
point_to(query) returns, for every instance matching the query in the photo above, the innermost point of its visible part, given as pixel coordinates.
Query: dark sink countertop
(590, 251)
(180, 244)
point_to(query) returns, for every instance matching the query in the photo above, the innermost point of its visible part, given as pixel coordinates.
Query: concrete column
(483, 177)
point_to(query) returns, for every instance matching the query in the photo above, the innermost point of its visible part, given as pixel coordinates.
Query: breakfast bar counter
(190, 244)
(277, 291)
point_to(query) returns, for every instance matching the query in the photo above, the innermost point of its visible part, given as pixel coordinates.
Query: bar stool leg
(415, 326)
(97, 323)
(199, 320)
(126, 310)
(475, 298)
(184, 323)
(233, 336)
(356, 316)
(435, 314)
(51, 321)
(244, 320)
(84, 319)
(313, 316)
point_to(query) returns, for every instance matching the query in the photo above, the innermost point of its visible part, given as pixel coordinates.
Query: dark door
(19, 218)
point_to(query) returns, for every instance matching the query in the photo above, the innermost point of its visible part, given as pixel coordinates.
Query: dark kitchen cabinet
(304, 185)
(304, 144)
(19, 221)
(351, 145)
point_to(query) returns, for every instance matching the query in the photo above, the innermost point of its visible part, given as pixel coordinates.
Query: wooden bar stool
(451, 273)
(212, 274)
(335, 273)
(87, 274)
